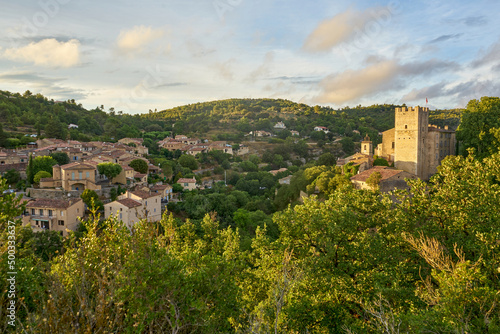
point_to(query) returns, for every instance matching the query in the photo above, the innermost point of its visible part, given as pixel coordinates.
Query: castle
(414, 145)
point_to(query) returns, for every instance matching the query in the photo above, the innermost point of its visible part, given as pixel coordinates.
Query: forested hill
(30, 113)
(261, 114)
(33, 113)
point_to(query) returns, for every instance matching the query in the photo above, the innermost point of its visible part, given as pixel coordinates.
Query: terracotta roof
(52, 203)
(183, 180)
(129, 203)
(139, 175)
(385, 172)
(77, 165)
(143, 194)
(19, 167)
(161, 187)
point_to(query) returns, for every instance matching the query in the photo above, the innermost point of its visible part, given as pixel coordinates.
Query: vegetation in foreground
(417, 261)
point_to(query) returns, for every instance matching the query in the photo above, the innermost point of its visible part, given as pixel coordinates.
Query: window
(32, 212)
(50, 213)
(77, 210)
(87, 175)
(146, 203)
(72, 175)
(406, 126)
(41, 212)
(120, 215)
(155, 210)
(365, 148)
(60, 222)
(80, 174)
(62, 213)
(393, 144)
(61, 233)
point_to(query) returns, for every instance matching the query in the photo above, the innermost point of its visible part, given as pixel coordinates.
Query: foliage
(480, 127)
(62, 158)
(139, 166)
(91, 199)
(188, 161)
(12, 176)
(373, 181)
(41, 175)
(380, 162)
(43, 163)
(109, 169)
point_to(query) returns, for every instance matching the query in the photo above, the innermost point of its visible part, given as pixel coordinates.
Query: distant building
(72, 126)
(414, 145)
(187, 184)
(134, 206)
(390, 178)
(321, 128)
(295, 133)
(280, 126)
(54, 215)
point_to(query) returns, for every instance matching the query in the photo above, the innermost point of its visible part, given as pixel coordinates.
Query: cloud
(475, 21)
(48, 86)
(443, 38)
(47, 52)
(488, 57)
(464, 91)
(263, 69)
(225, 69)
(384, 76)
(346, 27)
(136, 38)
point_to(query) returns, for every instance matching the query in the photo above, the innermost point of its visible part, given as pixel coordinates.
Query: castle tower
(367, 146)
(410, 133)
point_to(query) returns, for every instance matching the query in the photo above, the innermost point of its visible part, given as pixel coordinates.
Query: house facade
(54, 215)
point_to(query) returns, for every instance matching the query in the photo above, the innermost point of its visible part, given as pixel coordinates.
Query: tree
(41, 175)
(43, 163)
(12, 176)
(54, 129)
(62, 158)
(373, 180)
(380, 162)
(30, 170)
(347, 145)
(326, 159)
(109, 169)
(479, 127)
(91, 199)
(188, 161)
(139, 166)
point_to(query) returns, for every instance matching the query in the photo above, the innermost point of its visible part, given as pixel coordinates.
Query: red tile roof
(129, 203)
(385, 172)
(52, 203)
(143, 194)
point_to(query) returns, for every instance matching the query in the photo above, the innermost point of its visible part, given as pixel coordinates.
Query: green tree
(43, 163)
(109, 169)
(91, 199)
(139, 166)
(188, 161)
(54, 129)
(373, 180)
(41, 175)
(12, 176)
(62, 158)
(479, 127)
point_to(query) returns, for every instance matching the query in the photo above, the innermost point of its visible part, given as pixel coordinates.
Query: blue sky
(141, 55)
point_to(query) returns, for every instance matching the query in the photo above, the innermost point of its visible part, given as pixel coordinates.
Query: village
(413, 148)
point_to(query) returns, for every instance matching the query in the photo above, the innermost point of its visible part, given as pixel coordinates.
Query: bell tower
(367, 146)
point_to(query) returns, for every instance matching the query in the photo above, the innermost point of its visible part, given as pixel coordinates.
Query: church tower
(410, 133)
(367, 146)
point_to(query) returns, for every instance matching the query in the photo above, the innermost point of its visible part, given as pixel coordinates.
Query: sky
(136, 56)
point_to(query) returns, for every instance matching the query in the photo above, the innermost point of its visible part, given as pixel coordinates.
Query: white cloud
(348, 26)
(136, 38)
(47, 52)
(383, 76)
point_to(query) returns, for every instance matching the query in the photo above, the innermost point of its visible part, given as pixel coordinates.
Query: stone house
(54, 214)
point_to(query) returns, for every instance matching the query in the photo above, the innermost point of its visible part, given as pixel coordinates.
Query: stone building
(414, 145)
(53, 214)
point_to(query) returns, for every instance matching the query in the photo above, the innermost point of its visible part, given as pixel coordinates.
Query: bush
(41, 175)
